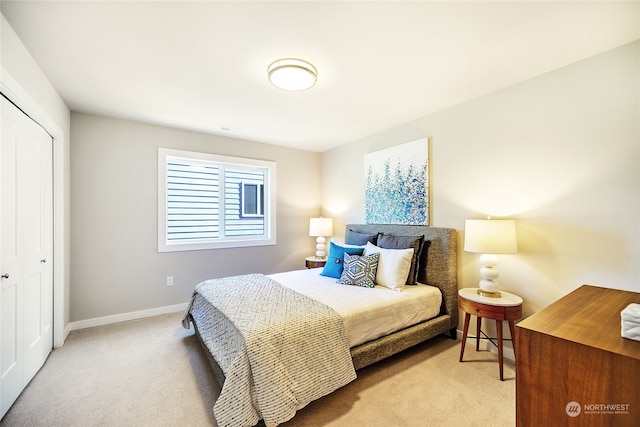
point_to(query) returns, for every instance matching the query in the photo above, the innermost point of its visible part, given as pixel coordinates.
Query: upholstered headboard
(442, 267)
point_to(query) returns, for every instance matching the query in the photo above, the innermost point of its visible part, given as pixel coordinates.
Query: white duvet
(368, 313)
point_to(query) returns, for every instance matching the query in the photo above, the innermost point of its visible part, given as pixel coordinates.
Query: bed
(269, 372)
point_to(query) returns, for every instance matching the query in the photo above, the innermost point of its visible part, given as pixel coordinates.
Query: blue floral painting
(397, 185)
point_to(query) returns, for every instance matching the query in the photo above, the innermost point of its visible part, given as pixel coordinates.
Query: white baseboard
(485, 345)
(106, 320)
(66, 332)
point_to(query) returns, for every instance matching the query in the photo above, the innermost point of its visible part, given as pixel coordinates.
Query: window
(206, 201)
(252, 200)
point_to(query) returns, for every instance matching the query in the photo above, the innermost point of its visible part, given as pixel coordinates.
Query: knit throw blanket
(279, 350)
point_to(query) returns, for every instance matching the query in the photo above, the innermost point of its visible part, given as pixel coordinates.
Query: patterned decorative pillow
(360, 270)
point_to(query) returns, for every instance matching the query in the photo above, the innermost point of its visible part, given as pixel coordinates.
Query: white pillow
(393, 266)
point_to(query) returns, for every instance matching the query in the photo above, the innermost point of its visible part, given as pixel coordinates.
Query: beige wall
(559, 153)
(116, 267)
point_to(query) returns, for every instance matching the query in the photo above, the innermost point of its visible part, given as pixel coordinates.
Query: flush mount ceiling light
(292, 74)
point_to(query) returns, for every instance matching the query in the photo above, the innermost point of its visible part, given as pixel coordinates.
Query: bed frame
(440, 271)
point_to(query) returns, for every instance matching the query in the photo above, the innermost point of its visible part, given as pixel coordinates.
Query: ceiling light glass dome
(292, 74)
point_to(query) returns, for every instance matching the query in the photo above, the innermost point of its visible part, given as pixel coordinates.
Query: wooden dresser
(572, 366)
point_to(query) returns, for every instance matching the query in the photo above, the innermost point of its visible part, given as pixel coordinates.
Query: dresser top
(590, 315)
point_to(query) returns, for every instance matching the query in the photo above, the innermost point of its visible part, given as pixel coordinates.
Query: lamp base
(494, 294)
(320, 247)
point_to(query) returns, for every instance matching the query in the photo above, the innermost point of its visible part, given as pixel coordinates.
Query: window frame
(269, 201)
(259, 200)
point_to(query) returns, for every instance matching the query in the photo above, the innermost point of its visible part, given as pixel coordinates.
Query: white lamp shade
(320, 227)
(490, 236)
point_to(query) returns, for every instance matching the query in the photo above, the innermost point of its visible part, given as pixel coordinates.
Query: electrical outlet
(169, 280)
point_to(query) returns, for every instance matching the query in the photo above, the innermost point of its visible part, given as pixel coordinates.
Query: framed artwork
(397, 184)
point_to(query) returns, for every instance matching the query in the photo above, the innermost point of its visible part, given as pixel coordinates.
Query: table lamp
(490, 237)
(320, 228)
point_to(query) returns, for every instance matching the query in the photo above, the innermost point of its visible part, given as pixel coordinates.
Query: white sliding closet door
(26, 254)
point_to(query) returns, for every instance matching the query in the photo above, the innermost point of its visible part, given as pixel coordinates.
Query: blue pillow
(335, 260)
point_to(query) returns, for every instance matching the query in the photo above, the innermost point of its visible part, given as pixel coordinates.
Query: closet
(26, 251)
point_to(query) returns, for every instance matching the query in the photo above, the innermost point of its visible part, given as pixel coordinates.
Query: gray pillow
(353, 237)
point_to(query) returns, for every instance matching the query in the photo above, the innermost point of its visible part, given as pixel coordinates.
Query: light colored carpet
(152, 372)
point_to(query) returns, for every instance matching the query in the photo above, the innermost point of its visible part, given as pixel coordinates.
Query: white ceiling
(202, 65)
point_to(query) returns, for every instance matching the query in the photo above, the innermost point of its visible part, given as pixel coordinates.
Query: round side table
(314, 262)
(506, 307)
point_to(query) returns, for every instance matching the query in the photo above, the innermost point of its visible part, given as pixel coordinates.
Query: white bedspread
(368, 313)
(270, 371)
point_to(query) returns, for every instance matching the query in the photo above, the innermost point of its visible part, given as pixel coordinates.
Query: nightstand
(507, 307)
(313, 262)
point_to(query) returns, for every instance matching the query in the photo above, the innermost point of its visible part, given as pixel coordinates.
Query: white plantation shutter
(193, 198)
(207, 201)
